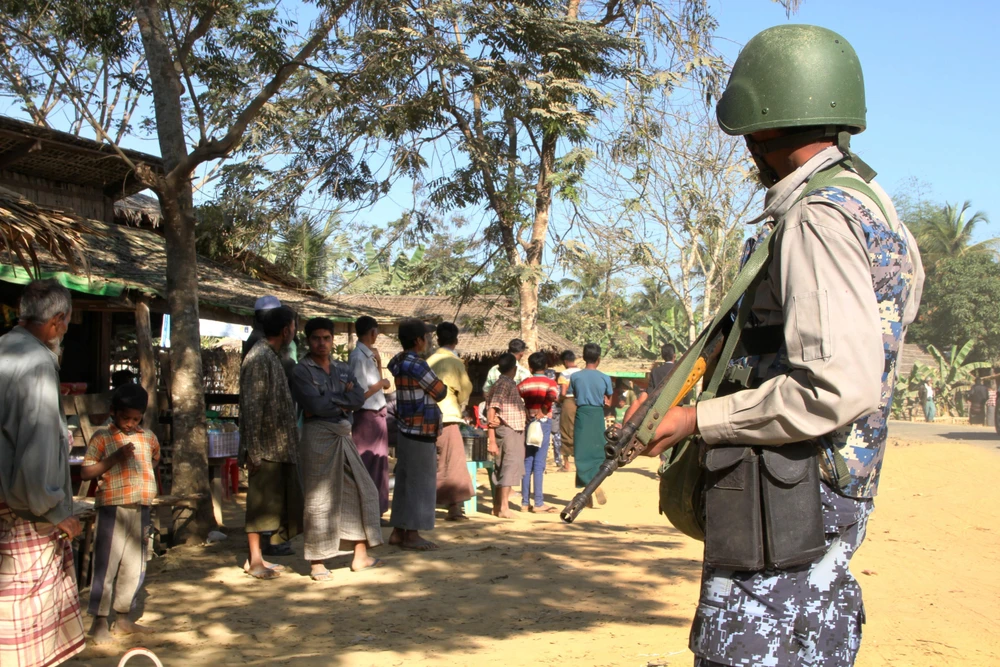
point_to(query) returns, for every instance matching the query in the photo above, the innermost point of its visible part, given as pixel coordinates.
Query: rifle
(623, 446)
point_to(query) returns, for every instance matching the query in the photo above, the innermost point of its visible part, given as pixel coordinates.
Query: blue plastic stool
(472, 503)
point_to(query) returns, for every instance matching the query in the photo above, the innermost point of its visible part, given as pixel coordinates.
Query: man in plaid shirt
(123, 458)
(506, 420)
(418, 419)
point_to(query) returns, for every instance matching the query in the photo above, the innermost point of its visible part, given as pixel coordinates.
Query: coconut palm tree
(25, 228)
(948, 233)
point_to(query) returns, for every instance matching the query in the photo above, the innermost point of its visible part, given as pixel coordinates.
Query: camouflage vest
(860, 445)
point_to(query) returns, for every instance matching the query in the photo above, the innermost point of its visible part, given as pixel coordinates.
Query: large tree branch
(217, 148)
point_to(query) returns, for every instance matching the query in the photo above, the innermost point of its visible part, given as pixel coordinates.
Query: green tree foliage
(946, 232)
(513, 92)
(961, 301)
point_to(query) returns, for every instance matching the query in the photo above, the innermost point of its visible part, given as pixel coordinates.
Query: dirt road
(617, 588)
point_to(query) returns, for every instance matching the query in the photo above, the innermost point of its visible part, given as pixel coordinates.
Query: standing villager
(567, 407)
(593, 390)
(826, 325)
(418, 419)
(40, 621)
(341, 510)
(123, 458)
(370, 431)
(539, 393)
(556, 436)
(978, 396)
(927, 400)
(269, 443)
(517, 347)
(454, 485)
(506, 421)
(991, 404)
(660, 373)
(260, 308)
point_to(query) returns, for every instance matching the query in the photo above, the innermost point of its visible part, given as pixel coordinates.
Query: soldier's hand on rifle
(677, 424)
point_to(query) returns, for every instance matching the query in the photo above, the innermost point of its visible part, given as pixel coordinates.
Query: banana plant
(953, 376)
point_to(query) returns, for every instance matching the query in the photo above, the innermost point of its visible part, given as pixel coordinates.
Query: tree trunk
(528, 291)
(189, 430)
(147, 361)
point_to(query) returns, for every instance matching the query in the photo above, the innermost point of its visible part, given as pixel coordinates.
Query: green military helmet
(794, 76)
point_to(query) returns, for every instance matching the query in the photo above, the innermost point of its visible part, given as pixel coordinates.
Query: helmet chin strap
(769, 177)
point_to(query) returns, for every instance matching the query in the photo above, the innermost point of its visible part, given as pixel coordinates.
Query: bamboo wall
(85, 202)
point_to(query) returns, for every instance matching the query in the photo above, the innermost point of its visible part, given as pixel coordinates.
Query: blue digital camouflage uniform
(812, 615)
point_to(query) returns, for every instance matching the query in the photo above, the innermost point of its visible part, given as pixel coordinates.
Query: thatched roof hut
(138, 210)
(123, 260)
(487, 323)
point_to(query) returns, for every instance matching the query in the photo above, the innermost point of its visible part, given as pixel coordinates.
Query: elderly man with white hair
(40, 621)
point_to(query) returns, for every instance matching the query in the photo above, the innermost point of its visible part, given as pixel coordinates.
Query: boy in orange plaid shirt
(123, 458)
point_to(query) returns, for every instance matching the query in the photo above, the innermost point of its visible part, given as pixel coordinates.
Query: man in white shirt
(516, 347)
(370, 433)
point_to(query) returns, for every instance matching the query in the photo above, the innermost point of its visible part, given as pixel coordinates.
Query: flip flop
(544, 509)
(322, 576)
(456, 517)
(378, 563)
(266, 573)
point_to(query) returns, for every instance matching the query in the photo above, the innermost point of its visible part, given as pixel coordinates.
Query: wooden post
(147, 361)
(104, 352)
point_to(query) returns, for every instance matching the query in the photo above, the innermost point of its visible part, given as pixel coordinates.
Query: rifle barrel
(576, 505)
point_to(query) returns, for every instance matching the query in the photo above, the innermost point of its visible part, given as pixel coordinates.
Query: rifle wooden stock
(623, 447)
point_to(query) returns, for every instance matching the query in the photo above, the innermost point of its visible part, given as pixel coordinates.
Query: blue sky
(931, 82)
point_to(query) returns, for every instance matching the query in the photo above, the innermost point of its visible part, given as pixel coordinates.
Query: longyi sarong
(567, 425)
(508, 469)
(274, 501)
(415, 493)
(454, 485)
(40, 621)
(341, 501)
(371, 438)
(588, 442)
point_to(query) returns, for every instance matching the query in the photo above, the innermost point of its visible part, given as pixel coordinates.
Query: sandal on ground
(320, 576)
(526, 508)
(378, 563)
(544, 509)
(456, 517)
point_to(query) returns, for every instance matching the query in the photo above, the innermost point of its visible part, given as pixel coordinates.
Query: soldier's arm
(833, 333)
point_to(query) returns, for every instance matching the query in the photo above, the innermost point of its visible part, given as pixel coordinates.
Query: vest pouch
(793, 508)
(682, 483)
(733, 532)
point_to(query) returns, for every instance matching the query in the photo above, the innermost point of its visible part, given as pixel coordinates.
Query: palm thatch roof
(487, 323)
(124, 258)
(26, 229)
(138, 210)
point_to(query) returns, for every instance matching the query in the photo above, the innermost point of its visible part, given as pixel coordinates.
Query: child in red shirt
(539, 393)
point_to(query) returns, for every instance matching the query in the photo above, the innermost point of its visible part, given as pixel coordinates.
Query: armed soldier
(795, 437)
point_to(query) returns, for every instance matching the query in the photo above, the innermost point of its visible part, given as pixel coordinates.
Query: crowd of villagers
(314, 439)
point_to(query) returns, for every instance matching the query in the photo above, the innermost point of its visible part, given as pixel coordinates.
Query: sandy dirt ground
(617, 588)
